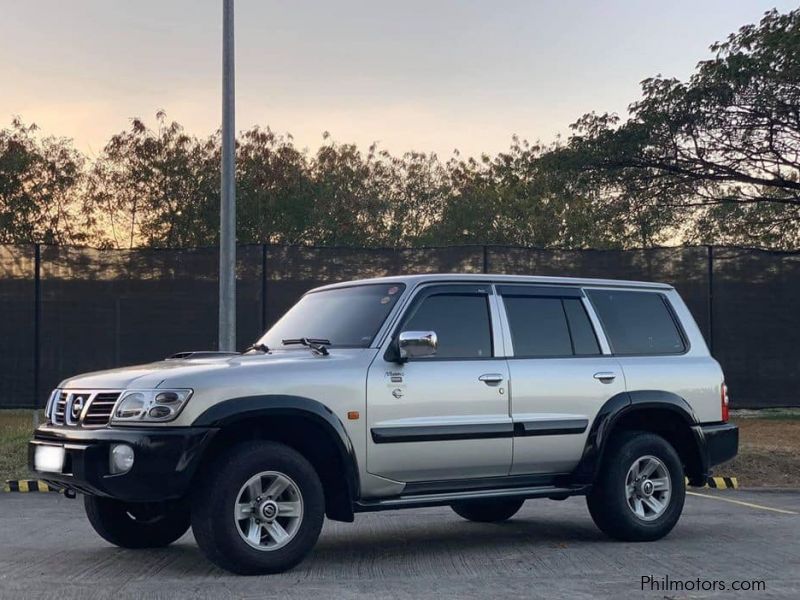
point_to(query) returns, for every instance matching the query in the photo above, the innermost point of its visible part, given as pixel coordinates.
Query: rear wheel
(259, 509)
(488, 511)
(640, 491)
(137, 524)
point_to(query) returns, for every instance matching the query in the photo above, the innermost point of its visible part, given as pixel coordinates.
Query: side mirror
(417, 344)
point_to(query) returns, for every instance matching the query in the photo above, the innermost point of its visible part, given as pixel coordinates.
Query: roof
(413, 280)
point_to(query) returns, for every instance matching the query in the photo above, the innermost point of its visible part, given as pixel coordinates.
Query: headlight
(149, 405)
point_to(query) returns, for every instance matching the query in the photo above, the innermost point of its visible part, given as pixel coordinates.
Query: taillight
(724, 401)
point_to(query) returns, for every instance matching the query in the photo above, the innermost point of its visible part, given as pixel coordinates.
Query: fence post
(37, 323)
(263, 288)
(485, 259)
(710, 298)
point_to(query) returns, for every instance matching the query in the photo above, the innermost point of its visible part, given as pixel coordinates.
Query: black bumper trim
(721, 440)
(165, 460)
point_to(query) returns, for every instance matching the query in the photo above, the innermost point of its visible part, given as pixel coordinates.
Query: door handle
(491, 378)
(605, 376)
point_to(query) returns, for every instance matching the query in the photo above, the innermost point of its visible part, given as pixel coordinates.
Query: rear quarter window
(637, 323)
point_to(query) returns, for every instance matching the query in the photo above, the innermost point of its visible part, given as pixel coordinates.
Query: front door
(445, 416)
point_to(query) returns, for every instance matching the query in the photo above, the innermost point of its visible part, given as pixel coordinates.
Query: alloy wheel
(648, 488)
(268, 510)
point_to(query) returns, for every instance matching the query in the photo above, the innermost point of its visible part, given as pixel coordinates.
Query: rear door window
(542, 327)
(584, 341)
(637, 323)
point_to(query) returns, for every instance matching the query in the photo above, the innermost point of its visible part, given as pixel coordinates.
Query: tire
(488, 511)
(629, 513)
(137, 524)
(232, 480)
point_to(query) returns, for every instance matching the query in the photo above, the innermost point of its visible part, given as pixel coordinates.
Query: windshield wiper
(262, 347)
(316, 345)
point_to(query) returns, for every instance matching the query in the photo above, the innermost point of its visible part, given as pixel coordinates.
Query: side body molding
(237, 410)
(625, 403)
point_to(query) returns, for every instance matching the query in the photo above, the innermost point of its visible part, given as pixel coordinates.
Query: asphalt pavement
(549, 550)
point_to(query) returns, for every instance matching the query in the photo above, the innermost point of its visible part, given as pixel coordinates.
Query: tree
(154, 188)
(274, 190)
(521, 197)
(39, 183)
(715, 159)
(722, 148)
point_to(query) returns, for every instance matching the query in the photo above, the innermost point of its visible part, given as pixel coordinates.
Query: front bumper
(165, 459)
(722, 442)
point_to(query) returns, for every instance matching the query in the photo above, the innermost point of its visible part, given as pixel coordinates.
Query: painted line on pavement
(748, 504)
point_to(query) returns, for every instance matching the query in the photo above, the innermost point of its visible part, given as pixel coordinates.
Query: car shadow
(386, 543)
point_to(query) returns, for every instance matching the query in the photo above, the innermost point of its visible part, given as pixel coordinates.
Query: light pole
(227, 211)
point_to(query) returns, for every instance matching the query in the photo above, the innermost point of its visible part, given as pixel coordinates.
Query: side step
(424, 500)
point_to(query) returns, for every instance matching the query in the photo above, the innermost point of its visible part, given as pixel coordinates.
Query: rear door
(446, 416)
(561, 374)
(653, 348)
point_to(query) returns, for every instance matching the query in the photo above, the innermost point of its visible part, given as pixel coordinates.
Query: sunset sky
(425, 75)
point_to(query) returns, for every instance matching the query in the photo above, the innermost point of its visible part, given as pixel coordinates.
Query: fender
(623, 404)
(236, 410)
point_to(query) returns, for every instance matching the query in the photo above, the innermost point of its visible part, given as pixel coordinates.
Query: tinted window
(549, 326)
(348, 316)
(461, 323)
(538, 326)
(637, 322)
(584, 341)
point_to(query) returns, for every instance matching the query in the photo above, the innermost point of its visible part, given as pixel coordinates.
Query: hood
(183, 370)
(143, 376)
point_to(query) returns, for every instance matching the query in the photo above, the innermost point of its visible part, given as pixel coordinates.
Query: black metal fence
(68, 310)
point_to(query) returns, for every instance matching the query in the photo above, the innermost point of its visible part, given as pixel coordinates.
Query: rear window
(543, 327)
(637, 322)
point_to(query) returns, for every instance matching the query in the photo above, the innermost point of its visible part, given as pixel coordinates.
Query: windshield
(348, 317)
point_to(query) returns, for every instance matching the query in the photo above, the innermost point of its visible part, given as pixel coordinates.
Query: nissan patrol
(473, 391)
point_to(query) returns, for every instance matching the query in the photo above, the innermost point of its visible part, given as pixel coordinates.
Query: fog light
(121, 458)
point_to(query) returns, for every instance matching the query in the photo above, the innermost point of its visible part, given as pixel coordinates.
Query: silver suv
(473, 391)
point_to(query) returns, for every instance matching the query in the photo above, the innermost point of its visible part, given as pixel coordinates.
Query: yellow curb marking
(720, 483)
(27, 485)
(748, 504)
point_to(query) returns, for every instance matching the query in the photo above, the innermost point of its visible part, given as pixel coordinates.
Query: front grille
(83, 408)
(100, 407)
(59, 409)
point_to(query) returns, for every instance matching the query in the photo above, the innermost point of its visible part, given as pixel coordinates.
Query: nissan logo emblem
(77, 407)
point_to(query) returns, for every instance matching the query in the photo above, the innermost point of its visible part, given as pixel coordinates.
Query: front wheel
(137, 524)
(639, 493)
(258, 509)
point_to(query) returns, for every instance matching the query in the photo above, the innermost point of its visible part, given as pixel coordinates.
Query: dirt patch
(769, 452)
(16, 428)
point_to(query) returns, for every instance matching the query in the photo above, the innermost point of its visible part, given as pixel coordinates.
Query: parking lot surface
(549, 550)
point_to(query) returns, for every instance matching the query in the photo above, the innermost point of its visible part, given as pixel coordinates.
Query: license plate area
(48, 459)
